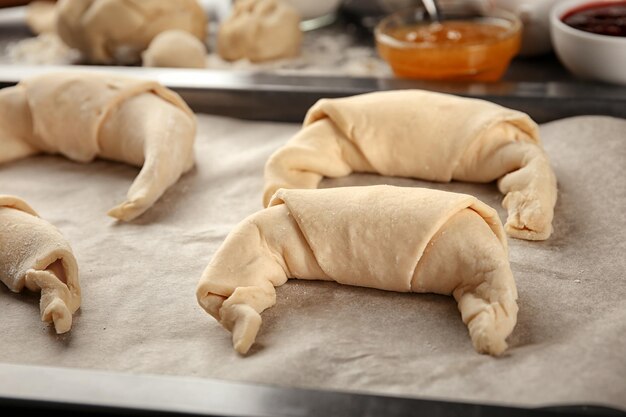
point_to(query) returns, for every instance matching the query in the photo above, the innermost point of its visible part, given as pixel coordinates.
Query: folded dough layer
(425, 135)
(34, 254)
(389, 238)
(87, 115)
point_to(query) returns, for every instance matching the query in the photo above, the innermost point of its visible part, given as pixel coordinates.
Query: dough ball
(118, 31)
(175, 49)
(41, 17)
(260, 30)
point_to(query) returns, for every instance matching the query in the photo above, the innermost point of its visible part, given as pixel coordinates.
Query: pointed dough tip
(241, 347)
(527, 234)
(59, 314)
(126, 211)
(489, 344)
(246, 327)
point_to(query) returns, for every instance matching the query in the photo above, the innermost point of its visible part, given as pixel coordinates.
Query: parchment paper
(139, 312)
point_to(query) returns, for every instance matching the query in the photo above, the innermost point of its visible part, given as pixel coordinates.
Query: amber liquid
(456, 50)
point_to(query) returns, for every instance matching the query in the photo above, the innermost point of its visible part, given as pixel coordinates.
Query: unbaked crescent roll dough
(260, 30)
(87, 115)
(41, 17)
(425, 135)
(117, 31)
(34, 254)
(390, 238)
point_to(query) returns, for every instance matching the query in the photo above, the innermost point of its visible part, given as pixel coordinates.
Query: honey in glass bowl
(476, 48)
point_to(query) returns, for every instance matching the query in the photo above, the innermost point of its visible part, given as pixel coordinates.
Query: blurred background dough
(175, 49)
(260, 30)
(41, 17)
(117, 31)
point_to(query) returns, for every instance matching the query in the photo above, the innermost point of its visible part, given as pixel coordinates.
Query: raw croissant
(84, 116)
(33, 254)
(117, 31)
(425, 135)
(390, 238)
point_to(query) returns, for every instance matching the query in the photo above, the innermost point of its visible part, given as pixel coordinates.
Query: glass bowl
(467, 44)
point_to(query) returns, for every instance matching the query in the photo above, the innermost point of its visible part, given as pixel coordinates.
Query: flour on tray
(323, 52)
(45, 49)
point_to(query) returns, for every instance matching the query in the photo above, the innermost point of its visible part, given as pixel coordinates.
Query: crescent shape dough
(87, 115)
(34, 254)
(390, 238)
(425, 135)
(110, 31)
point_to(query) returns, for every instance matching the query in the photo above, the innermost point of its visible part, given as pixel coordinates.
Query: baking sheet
(139, 313)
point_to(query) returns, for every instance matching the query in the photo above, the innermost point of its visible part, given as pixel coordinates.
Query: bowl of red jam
(589, 37)
(467, 44)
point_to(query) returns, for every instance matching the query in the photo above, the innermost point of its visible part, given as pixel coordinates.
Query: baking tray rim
(38, 387)
(286, 98)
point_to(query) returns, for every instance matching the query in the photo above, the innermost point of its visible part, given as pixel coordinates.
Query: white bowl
(585, 54)
(312, 9)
